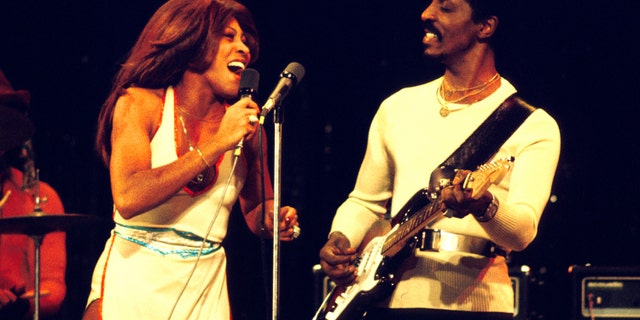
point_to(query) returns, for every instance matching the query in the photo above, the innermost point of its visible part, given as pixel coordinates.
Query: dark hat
(15, 127)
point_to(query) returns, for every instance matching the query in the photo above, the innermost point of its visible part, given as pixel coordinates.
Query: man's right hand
(337, 257)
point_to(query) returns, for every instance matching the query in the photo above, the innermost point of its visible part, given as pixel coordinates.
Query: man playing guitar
(459, 269)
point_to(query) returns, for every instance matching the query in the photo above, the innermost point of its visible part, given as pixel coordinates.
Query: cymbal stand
(37, 242)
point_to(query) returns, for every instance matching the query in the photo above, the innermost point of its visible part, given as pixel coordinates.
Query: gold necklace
(199, 178)
(479, 87)
(445, 110)
(194, 117)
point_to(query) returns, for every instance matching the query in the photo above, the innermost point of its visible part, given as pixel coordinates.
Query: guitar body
(387, 244)
(376, 278)
(375, 283)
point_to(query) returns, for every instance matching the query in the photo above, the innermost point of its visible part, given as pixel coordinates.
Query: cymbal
(15, 128)
(44, 223)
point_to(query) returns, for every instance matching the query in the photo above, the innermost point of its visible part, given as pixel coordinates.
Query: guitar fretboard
(396, 240)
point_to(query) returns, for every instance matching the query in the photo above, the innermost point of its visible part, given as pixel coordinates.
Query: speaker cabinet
(520, 284)
(605, 292)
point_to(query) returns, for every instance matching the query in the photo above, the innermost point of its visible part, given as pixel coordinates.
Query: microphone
(248, 88)
(292, 74)
(249, 80)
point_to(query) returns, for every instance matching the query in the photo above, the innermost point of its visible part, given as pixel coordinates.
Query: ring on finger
(296, 232)
(253, 119)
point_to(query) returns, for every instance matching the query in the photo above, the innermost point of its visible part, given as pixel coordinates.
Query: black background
(576, 59)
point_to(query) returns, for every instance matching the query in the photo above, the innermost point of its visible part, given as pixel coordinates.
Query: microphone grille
(296, 69)
(249, 79)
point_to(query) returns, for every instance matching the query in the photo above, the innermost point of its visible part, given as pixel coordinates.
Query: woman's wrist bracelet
(202, 157)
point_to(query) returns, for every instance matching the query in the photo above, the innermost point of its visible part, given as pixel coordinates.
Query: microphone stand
(277, 154)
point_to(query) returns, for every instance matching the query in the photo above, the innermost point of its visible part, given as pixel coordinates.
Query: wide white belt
(167, 240)
(439, 240)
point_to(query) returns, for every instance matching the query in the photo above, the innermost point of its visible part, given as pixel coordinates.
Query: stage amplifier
(605, 292)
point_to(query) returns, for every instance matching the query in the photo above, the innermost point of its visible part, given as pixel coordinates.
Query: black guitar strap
(483, 143)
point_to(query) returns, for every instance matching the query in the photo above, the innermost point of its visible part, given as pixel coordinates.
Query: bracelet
(202, 157)
(491, 210)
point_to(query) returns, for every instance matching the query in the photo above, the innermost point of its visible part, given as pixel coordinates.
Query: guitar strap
(483, 143)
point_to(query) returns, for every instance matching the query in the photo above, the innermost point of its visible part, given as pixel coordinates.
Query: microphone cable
(248, 85)
(215, 216)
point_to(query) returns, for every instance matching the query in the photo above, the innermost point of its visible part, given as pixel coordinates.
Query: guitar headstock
(487, 174)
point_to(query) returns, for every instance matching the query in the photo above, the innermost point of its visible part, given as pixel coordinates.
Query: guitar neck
(397, 239)
(427, 212)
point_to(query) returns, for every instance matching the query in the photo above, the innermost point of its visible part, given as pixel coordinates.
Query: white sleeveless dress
(149, 259)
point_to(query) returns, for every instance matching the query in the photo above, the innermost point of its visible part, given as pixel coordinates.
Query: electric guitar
(387, 244)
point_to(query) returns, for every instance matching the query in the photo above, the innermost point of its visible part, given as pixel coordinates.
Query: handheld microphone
(249, 81)
(292, 75)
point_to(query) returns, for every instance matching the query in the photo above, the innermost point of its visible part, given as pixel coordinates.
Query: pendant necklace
(199, 178)
(445, 110)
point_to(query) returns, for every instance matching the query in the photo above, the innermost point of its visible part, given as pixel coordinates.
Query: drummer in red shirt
(19, 192)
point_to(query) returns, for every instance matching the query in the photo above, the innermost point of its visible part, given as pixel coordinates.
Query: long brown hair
(181, 35)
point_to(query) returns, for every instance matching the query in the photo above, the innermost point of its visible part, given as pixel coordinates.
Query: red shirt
(17, 251)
